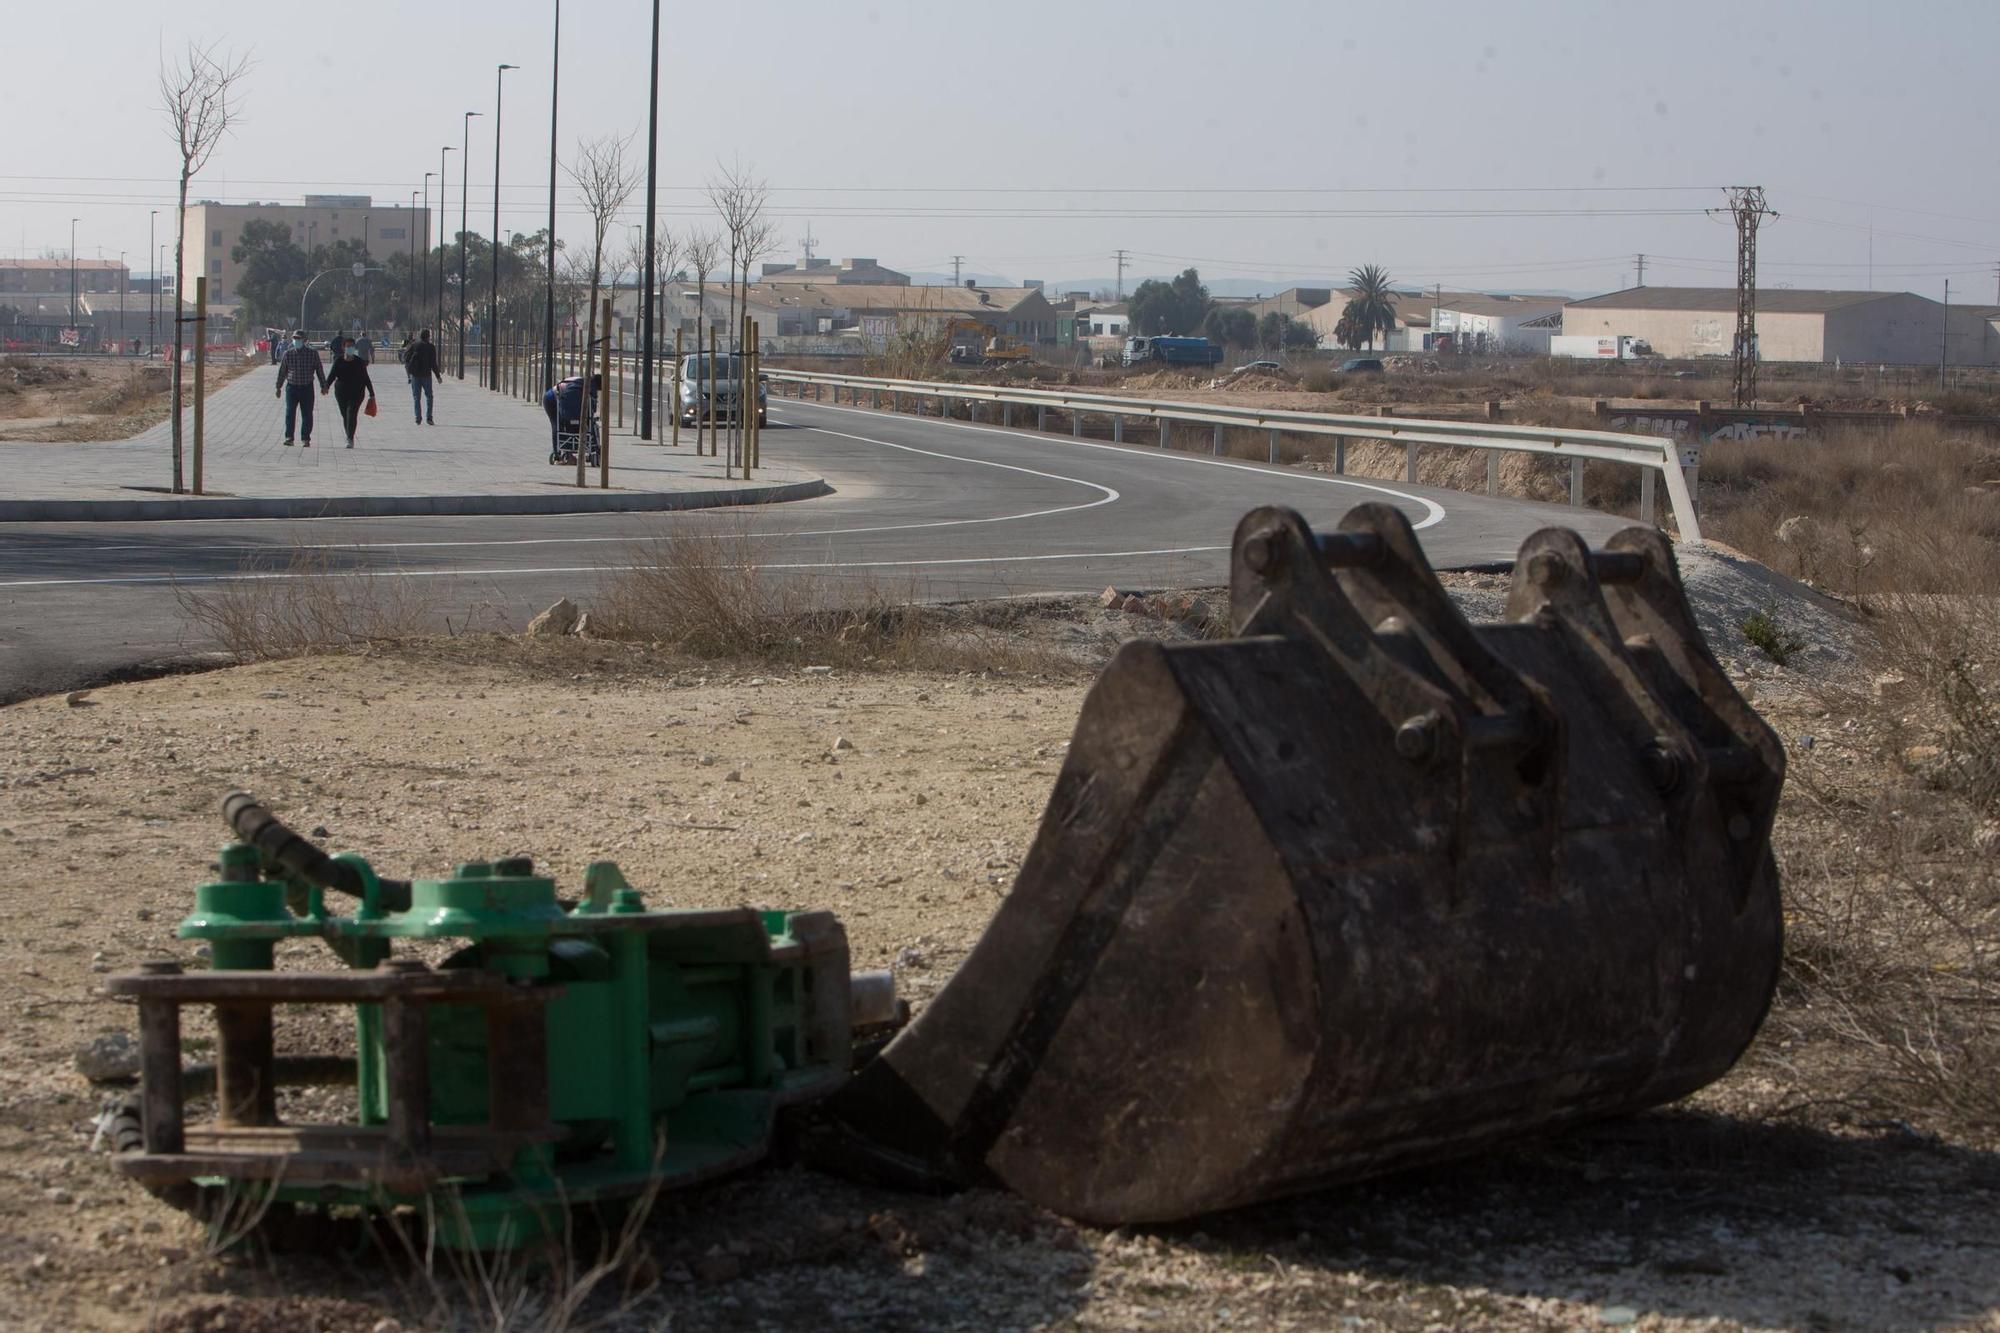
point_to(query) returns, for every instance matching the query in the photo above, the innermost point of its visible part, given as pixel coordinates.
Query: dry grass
(308, 605)
(709, 595)
(1890, 854)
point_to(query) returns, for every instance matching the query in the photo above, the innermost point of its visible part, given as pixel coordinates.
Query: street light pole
(413, 251)
(652, 200)
(72, 278)
(424, 292)
(153, 296)
(124, 290)
(549, 292)
(464, 188)
(444, 183)
(493, 255)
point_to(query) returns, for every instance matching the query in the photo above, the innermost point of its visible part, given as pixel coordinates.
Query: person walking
(421, 364)
(297, 370)
(351, 387)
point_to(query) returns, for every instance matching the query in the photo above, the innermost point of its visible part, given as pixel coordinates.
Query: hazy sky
(1256, 139)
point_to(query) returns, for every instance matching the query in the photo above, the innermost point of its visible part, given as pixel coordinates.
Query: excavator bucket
(1361, 887)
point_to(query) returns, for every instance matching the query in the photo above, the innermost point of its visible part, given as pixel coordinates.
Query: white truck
(1611, 347)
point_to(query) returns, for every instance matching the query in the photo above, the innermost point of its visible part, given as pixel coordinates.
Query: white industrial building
(1494, 325)
(1884, 328)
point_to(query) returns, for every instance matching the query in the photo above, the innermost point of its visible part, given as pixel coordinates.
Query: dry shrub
(307, 606)
(711, 594)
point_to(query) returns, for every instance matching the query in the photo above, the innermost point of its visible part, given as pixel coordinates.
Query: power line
(1748, 209)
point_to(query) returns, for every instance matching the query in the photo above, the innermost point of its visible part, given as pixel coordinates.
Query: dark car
(1359, 365)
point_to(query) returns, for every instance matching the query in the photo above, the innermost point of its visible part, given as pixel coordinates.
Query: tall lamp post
(153, 296)
(72, 278)
(124, 291)
(549, 293)
(464, 187)
(444, 183)
(493, 252)
(411, 333)
(652, 195)
(424, 290)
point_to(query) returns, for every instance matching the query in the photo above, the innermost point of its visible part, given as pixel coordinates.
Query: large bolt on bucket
(1362, 887)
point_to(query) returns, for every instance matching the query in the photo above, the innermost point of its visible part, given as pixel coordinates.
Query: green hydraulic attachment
(515, 1056)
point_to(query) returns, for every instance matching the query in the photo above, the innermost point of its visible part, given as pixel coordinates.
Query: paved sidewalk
(488, 454)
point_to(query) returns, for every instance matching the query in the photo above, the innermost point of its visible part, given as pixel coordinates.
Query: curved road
(943, 510)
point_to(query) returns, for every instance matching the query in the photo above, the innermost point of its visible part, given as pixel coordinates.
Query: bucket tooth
(1362, 887)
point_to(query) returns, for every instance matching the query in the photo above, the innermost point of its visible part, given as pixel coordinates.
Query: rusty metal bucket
(1362, 887)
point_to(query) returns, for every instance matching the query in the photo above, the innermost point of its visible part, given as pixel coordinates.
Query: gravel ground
(722, 786)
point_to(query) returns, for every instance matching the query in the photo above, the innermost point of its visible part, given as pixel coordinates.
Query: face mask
(353, 352)
(298, 342)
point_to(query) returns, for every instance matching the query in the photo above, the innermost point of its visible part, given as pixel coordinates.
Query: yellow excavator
(977, 344)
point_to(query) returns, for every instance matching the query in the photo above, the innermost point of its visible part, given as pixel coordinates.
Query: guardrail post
(1410, 461)
(1492, 472)
(1646, 483)
(1076, 425)
(819, 393)
(1492, 409)
(1007, 414)
(1340, 455)
(1166, 426)
(877, 403)
(1274, 446)
(1216, 447)
(1117, 429)
(1041, 417)
(1576, 481)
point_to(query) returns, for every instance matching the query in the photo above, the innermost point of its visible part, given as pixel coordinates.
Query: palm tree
(1374, 304)
(1348, 331)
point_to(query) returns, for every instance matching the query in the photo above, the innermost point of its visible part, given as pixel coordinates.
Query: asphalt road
(939, 510)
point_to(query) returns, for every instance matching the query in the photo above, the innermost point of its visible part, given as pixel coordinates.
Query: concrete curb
(561, 501)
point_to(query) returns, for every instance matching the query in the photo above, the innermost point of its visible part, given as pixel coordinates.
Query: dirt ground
(1765, 1201)
(88, 399)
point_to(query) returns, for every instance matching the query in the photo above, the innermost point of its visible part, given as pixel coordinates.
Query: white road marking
(509, 572)
(1433, 511)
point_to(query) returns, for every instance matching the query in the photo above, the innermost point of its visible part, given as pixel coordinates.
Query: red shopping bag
(370, 409)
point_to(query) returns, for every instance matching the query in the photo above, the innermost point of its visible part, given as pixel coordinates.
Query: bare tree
(606, 180)
(703, 249)
(198, 95)
(739, 198)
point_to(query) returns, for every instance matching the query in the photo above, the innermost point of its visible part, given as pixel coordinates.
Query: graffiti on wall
(1682, 426)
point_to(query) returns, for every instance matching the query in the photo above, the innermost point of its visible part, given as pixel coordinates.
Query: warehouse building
(1883, 328)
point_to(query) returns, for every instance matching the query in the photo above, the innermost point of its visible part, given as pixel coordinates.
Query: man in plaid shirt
(296, 373)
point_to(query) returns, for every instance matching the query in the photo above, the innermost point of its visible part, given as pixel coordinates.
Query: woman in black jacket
(350, 387)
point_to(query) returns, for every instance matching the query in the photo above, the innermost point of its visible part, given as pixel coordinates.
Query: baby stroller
(572, 419)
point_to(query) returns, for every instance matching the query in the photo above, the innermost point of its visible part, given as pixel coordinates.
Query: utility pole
(1944, 333)
(957, 262)
(424, 267)
(807, 241)
(1642, 270)
(1748, 210)
(72, 279)
(1996, 284)
(1121, 256)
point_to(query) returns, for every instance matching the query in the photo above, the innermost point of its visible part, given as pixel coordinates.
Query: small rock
(817, 670)
(582, 626)
(319, 831)
(733, 775)
(555, 622)
(58, 1196)
(706, 761)
(1617, 1315)
(78, 699)
(1892, 687)
(1133, 605)
(923, 799)
(1807, 742)
(1110, 598)
(113, 1055)
(842, 743)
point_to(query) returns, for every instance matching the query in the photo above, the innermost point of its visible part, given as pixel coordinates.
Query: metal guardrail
(1655, 456)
